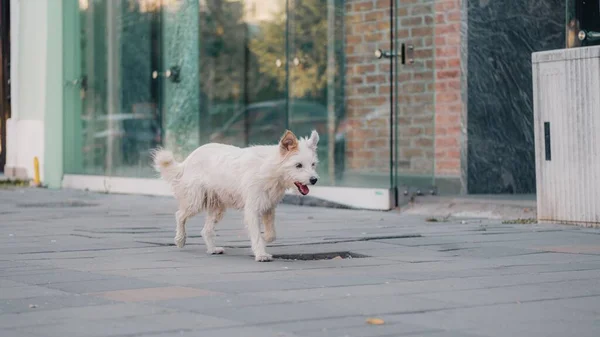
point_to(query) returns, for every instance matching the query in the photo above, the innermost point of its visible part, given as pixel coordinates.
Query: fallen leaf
(337, 258)
(375, 321)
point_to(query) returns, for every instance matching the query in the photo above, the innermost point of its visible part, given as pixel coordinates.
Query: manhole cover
(61, 204)
(319, 256)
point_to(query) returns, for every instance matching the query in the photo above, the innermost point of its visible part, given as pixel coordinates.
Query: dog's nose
(313, 180)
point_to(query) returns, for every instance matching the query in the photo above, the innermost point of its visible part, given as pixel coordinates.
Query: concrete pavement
(81, 264)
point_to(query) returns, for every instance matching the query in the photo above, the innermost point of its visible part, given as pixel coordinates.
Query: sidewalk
(81, 264)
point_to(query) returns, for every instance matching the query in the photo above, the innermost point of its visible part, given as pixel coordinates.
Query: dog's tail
(165, 163)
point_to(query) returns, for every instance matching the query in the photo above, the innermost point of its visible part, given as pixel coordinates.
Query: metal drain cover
(319, 256)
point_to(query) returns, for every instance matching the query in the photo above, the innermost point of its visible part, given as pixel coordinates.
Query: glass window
(179, 74)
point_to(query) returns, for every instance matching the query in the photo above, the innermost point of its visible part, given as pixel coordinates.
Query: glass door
(413, 52)
(132, 79)
(315, 95)
(244, 65)
(266, 111)
(179, 76)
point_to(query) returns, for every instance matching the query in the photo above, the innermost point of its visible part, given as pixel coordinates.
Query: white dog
(216, 176)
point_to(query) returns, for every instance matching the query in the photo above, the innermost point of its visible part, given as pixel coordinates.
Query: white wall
(25, 129)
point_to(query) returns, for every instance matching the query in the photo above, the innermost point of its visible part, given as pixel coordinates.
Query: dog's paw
(180, 241)
(216, 251)
(263, 257)
(269, 237)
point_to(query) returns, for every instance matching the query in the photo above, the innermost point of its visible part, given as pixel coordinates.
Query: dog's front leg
(252, 219)
(269, 221)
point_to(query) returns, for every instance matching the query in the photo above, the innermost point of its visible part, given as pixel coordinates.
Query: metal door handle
(384, 54)
(588, 35)
(171, 73)
(406, 53)
(80, 82)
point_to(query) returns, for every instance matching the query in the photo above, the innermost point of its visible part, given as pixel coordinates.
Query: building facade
(408, 95)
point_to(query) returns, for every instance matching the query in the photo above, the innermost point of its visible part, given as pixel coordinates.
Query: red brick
(453, 16)
(365, 68)
(366, 90)
(447, 97)
(448, 74)
(373, 37)
(354, 38)
(362, 6)
(447, 51)
(421, 10)
(382, 4)
(424, 142)
(411, 21)
(422, 31)
(375, 16)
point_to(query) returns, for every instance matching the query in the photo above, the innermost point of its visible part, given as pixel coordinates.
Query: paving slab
(74, 263)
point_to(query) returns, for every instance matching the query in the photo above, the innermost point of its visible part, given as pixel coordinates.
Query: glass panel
(583, 23)
(243, 64)
(180, 77)
(266, 110)
(338, 87)
(316, 99)
(415, 97)
(112, 109)
(183, 73)
(223, 71)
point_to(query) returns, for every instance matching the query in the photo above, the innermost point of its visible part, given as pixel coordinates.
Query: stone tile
(245, 331)
(365, 330)
(207, 304)
(275, 313)
(318, 324)
(342, 280)
(518, 293)
(456, 333)
(16, 333)
(236, 287)
(57, 276)
(138, 325)
(379, 305)
(49, 303)
(69, 314)
(29, 292)
(593, 249)
(525, 319)
(112, 284)
(5, 284)
(153, 294)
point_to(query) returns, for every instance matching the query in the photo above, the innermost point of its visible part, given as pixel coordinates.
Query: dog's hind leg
(180, 236)
(269, 222)
(213, 216)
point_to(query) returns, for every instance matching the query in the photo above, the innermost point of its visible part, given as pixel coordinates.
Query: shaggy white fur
(216, 176)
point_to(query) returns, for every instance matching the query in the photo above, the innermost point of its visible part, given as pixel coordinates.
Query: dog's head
(299, 160)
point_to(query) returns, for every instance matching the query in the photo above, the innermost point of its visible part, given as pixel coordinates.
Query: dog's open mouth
(303, 189)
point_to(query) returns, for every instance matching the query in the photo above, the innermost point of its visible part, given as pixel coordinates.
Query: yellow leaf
(375, 321)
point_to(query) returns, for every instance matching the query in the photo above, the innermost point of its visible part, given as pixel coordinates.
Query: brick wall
(449, 104)
(367, 86)
(428, 91)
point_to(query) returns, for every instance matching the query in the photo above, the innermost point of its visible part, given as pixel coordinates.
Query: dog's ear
(288, 142)
(313, 140)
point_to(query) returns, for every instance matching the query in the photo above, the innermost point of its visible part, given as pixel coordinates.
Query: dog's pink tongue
(302, 188)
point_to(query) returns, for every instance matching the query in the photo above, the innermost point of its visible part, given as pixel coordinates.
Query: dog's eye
(298, 166)
(313, 164)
